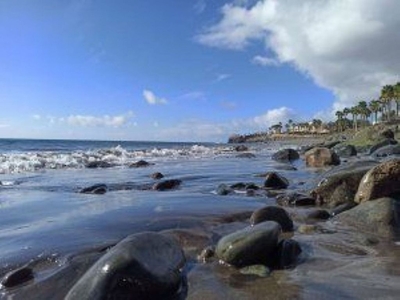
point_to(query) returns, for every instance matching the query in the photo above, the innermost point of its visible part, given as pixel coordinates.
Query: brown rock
(321, 157)
(381, 181)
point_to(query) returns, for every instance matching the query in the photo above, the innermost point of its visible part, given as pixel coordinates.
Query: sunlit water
(43, 214)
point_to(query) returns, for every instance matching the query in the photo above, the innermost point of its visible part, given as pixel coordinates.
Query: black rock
(167, 185)
(286, 254)
(295, 199)
(345, 150)
(17, 277)
(157, 175)
(224, 190)
(387, 134)
(241, 148)
(387, 151)
(272, 213)
(140, 164)
(285, 155)
(146, 265)
(98, 164)
(319, 214)
(275, 181)
(97, 189)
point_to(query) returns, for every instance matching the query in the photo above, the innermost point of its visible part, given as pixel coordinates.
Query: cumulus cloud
(152, 99)
(274, 116)
(348, 46)
(95, 121)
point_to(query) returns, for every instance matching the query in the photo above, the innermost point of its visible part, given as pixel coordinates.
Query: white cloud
(221, 77)
(274, 116)
(348, 46)
(194, 95)
(265, 61)
(37, 117)
(200, 6)
(94, 121)
(152, 99)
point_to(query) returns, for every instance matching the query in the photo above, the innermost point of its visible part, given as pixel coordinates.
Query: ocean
(45, 218)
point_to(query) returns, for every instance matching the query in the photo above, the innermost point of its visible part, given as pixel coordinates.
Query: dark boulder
(224, 190)
(142, 266)
(157, 175)
(286, 254)
(97, 189)
(167, 185)
(272, 213)
(286, 155)
(140, 164)
(275, 181)
(295, 199)
(385, 151)
(318, 214)
(387, 134)
(99, 164)
(241, 148)
(17, 277)
(250, 246)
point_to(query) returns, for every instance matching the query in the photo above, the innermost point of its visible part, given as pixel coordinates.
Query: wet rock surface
(381, 144)
(390, 150)
(97, 189)
(250, 246)
(98, 165)
(286, 254)
(295, 199)
(272, 213)
(275, 181)
(344, 150)
(381, 181)
(142, 266)
(17, 277)
(167, 185)
(157, 175)
(140, 164)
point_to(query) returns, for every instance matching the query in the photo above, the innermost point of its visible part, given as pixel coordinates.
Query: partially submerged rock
(375, 217)
(344, 150)
(140, 164)
(97, 189)
(295, 199)
(388, 150)
(321, 157)
(275, 181)
(286, 254)
(157, 175)
(167, 185)
(99, 164)
(381, 144)
(381, 181)
(142, 266)
(286, 155)
(250, 246)
(272, 213)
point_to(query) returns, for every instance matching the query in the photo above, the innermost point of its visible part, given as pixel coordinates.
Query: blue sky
(180, 70)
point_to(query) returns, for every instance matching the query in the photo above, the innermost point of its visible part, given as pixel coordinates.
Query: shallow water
(47, 224)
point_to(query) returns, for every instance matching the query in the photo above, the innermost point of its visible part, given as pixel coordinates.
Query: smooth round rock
(319, 214)
(272, 213)
(142, 266)
(140, 164)
(157, 175)
(17, 277)
(321, 157)
(250, 246)
(167, 185)
(287, 253)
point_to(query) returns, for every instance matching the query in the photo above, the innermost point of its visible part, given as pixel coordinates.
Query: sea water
(43, 215)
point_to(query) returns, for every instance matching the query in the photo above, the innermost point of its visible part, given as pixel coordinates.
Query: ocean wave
(111, 157)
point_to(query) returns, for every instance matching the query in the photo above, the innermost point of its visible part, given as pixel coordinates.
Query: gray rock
(224, 190)
(241, 148)
(385, 151)
(142, 266)
(319, 214)
(374, 217)
(345, 150)
(157, 175)
(286, 155)
(321, 157)
(272, 213)
(381, 181)
(250, 246)
(339, 185)
(381, 144)
(98, 165)
(275, 181)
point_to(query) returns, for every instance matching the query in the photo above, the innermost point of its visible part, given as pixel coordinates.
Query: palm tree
(355, 112)
(339, 114)
(387, 95)
(364, 111)
(375, 107)
(396, 96)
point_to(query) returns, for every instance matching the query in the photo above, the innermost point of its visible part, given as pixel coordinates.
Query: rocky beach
(275, 220)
